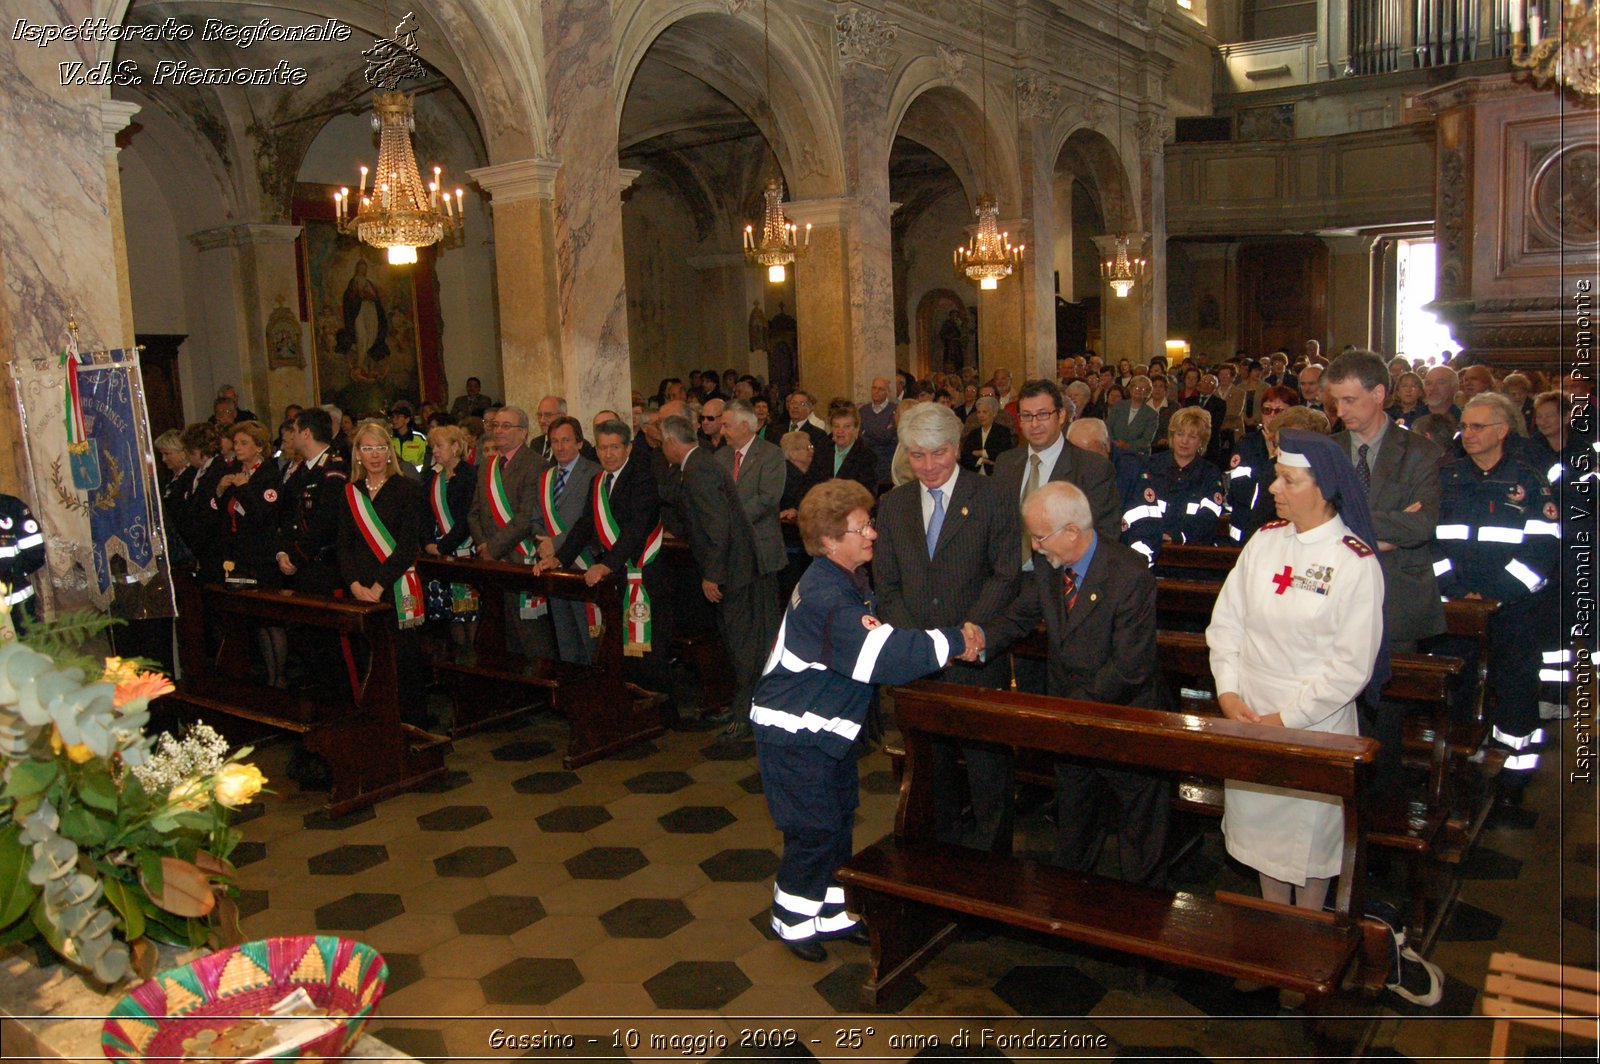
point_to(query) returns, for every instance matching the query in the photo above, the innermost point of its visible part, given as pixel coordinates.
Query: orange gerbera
(145, 685)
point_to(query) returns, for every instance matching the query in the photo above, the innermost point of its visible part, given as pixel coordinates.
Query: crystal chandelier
(989, 255)
(1567, 57)
(1122, 271)
(400, 213)
(780, 240)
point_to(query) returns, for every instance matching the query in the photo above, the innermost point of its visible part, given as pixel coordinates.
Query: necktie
(936, 522)
(1363, 470)
(1034, 465)
(610, 478)
(561, 484)
(1069, 589)
(738, 460)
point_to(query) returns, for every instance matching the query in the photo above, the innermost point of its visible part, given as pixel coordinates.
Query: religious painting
(374, 326)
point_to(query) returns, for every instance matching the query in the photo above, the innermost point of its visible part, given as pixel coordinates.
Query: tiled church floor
(632, 894)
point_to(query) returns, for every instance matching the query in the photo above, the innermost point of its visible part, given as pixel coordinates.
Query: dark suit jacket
(859, 465)
(1000, 441)
(574, 497)
(972, 575)
(635, 503)
(1406, 471)
(521, 476)
(1138, 436)
(719, 535)
(1093, 475)
(762, 476)
(1105, 650)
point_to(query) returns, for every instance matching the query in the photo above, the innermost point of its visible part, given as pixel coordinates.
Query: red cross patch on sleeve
(271, 495)
(869, 622)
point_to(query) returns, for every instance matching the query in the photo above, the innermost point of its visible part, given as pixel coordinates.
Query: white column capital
(115, 115)
(626, 178)
(243, 235)
(520, 180)
(835, 210)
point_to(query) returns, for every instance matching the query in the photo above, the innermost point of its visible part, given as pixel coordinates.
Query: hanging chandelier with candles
(399, 213)
(780, 240)
(989, 255)
(1122, 269)
(1567, 56)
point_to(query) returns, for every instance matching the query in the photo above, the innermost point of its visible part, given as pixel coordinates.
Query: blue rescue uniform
(21, 555)
(1168, 500)
(1250, 473)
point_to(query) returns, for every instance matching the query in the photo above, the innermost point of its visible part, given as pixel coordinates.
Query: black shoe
(807, 949)
(739, 729)
(721, 716)
(858, 934)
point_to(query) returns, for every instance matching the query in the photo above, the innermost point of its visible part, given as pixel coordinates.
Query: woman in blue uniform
(1250, 476)
(810, 705)
(246, 500)
(1178, 498)
(21, 555)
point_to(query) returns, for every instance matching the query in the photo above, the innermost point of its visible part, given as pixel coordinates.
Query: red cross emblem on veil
(1284, 579)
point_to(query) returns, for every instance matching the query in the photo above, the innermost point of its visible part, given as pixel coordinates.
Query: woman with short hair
(811, 703)
(1179, 497)
(447, 496)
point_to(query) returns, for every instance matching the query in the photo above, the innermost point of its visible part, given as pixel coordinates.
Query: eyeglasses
(1479, 426)
(1042, 415)
(1038, 541)
(1273, 409)
(709, 417)
(373, 448)
(864, 529)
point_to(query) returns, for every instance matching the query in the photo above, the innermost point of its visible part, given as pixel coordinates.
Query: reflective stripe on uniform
(1239, 471)
(1496, 534)
(1140, 513)
(1554, 473)
(1522, 763)
(1235, 534)
(808, 721)
(1453, 532)
(17, 596)
(1557, 657)
(29, 542)
(1515, 742)
(794, 902)
(1555, 676)
(1212, 505)
(1541, 528)
(1524, 575)
(1442, 566)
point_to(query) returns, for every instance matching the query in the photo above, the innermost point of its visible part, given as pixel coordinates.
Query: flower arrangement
(108, 841)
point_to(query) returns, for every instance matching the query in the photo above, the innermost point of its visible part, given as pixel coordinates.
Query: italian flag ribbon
(552, 523)
(82, 460)
(408, 600)
(463, 598)
(636, 616)
(528, 606)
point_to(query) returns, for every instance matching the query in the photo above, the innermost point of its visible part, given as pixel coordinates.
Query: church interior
(1375, 173)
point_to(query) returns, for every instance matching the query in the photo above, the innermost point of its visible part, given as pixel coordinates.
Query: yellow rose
(188, 795)
(237, 784)
(118, 671)
(77, 752)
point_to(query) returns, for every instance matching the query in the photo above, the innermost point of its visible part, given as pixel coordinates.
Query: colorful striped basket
(205, 1009)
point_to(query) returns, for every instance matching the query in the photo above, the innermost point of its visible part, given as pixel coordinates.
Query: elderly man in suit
(563, 493)
(947, 554)
(1401, 471)
(724, 545)
(1098, 601)
(1133, 422)
(502, 511)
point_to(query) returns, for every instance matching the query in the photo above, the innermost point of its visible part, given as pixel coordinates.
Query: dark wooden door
(1283, 294)
(163, 393)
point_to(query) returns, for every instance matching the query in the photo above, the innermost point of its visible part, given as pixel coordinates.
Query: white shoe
(1416, 980)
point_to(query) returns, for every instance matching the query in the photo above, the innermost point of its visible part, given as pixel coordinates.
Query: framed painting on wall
(374, 327)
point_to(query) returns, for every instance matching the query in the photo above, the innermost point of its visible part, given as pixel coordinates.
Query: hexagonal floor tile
(697, 985)
(246, 813)
(841, 988)
(530, 981)
(729, 750)
(606, 862)
(1049, 990)
(522, 750)
(419, 1042)
(247, 853)
(475, 862)
(751, 783)
(454, 818)
(320, 821)
(404, 969)
(251, 902)
(658, 782)
(740, 866)
(357, 912)
(573, 818)
(347, 860)
(546, 783)
(697, 819)
(499, 915)
(646, 918)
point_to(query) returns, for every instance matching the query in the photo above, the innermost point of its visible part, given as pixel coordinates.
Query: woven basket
(204, 1009)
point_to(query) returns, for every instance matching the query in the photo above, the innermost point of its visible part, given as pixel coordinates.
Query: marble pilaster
(523, 210)
(591, 295)
(823, 299)
(1152, 130)
(114, 118)
(1037, 277)
(1002, 342)
(871, 349)
(259, 258)
(1123, 329)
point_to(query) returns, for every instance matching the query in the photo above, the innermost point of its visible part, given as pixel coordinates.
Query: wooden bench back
(1416, 677)
(1554, 997)
(1219, 560)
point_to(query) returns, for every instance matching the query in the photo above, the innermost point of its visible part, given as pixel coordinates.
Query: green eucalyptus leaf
(95, 787)
(17, 894)
(121, 896)
(165, 824)
(84, 826)
(28, 778)
(150, 873)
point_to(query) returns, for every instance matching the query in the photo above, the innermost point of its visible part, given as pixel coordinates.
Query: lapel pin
(963, 511)
(1094, 596)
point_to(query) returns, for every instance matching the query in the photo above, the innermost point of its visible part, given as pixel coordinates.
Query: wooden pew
(911, 889)
(488, 683)
(371, 754)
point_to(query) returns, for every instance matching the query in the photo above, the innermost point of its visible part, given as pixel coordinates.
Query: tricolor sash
(528, 606)
(82, 458)
(408, 600)
(463, 597)
(635, 599)
(553, 525)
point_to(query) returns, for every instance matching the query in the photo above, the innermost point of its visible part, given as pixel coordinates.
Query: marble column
(1123, 331)
(114, 118)
(591, 298)
(255, 262)
(1152, 132)
(522, 208)
(822, 298)
(1037, 102)
(1003, 314)
(870, 352)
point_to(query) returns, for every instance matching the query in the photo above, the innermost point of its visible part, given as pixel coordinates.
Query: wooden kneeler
(1553, 997)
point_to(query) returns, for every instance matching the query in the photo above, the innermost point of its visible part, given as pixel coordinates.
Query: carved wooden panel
(1283, 293)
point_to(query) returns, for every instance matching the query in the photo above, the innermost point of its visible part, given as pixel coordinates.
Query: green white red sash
(635, 600)
(83, 461)
(553, 525)
(463, 597)
(528, 606)
(408, 600)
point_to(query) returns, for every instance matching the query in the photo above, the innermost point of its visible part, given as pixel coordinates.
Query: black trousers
(813, 799)
(747, 620)
(988, 777)
(1083, 791)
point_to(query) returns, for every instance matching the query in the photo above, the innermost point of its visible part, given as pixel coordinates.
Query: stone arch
(947, 118)
(1089, 156)
(724, 50)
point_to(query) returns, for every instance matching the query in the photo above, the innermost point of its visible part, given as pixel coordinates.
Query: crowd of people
(926, 528)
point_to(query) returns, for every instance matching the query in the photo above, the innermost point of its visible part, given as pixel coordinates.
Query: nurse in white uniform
(1296, 638)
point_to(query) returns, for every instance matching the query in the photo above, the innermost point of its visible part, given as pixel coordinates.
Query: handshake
(973, 637)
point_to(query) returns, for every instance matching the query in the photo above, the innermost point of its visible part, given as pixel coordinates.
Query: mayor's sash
(636, 615)
(528, 606)
(408, 601)
(463, 597)
(553, 524)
